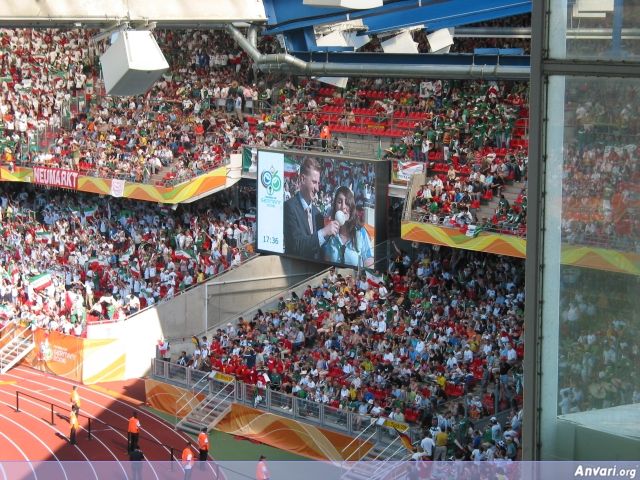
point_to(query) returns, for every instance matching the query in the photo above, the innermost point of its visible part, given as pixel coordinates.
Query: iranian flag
(374, 279)
(135, 268)
(40, 282)
(44, 236)
(290, 169)
(97, 262)
(407, 169)
(126, 256)
(90, 212)
(184, 254)
(125, 215)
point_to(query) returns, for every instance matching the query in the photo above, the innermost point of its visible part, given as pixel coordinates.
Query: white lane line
(86, 401)
(52, 427)
(21, 452)
(69, 383)
(21, 427)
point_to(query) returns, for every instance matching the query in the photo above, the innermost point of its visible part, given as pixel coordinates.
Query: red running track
(29, 434)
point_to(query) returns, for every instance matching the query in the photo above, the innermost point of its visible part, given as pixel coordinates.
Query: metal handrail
(5, 328)
(385, 471)
(15, 346)
(375, 430)
(387, 448)
(371, 424)
(14, 350)
(211, 377)
(386, 460)
(192, 390)
(232, 392)
(372, 429)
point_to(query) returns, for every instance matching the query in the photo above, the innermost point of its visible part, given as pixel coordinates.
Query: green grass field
(227, 447)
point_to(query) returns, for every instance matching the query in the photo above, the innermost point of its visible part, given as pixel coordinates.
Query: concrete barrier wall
(137, 337)
(190, 314)
(229, 295)
(253, 283)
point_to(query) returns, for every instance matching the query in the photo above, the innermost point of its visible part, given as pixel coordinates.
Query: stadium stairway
(210, 410)
(16, 342)
(379, 463)
(511, 191)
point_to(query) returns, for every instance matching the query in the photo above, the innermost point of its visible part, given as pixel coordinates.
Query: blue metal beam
(461, 59)
(477, 17)
(449, 14)
(286, 15)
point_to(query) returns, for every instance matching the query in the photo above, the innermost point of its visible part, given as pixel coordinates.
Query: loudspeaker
(132, 64)
(401, 43)
(440, 41)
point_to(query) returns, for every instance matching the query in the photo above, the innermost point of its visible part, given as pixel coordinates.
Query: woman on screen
(351, 246)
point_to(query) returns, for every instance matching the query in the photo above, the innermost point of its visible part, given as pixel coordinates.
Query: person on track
(75, 400)
(133, 432)
(203, 445)
(136, 457)
(262, 472)
(187, 460)
(73, 425)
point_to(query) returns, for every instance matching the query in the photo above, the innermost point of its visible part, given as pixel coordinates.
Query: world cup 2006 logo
(271, 181)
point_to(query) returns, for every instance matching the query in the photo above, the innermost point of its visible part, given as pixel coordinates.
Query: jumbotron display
(319, 208)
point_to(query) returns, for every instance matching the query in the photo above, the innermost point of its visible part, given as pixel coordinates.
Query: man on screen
(304, 229)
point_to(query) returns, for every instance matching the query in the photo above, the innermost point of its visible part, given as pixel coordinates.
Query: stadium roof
(303, 28)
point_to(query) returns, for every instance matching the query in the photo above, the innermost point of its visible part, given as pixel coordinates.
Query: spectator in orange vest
(73, 424)
(325, 136)
(262, 472)
(187, 461)
(203, 445)
(75, 400)
(133, 432)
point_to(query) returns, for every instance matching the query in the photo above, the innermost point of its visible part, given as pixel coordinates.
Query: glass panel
(178, 373)
(307, 409)
(595, 29)
(591, 279)
(158, 367)
(281, 401)
(336, 418)
(197, 375)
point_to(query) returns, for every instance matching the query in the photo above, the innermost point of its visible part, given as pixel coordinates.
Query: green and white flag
(40, 282)
(373, 278)
(185, 254)
(44, 236)
(90, 212)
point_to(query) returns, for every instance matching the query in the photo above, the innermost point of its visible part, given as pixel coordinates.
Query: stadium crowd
(600, 169)
(211, 103)
(596, 358)
(432, 343)
(473, 145)
(70, 258)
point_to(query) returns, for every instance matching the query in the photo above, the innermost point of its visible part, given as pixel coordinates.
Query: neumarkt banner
(186, 191)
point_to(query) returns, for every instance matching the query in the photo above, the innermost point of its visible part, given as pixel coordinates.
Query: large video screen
(319, 208)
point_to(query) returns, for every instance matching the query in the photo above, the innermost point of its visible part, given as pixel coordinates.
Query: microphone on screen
(340, 217)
